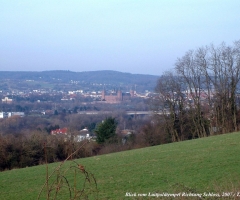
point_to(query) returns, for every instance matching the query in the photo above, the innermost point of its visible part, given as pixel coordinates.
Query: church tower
(103, 94)
(119, 95)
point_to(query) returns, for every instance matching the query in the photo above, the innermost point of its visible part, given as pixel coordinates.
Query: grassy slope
(203, 165)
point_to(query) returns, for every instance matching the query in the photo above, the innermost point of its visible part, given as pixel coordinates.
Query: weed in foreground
(72, 182)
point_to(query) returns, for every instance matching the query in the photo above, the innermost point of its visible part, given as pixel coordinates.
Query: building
(11, 114)
(7, 100)
(84, 134)
(60, 131)
(117, 97)
(3, 115)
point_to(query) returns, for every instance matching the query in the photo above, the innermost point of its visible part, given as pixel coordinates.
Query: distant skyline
(134, 36)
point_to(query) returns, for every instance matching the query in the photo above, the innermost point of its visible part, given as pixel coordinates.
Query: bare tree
(192, 74)
(202, 91)
(224, 63)
(170, 103)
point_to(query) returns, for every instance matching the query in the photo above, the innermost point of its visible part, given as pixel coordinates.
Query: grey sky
(136, 36)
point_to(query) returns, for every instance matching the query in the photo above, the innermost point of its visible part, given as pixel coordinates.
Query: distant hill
(106, 77)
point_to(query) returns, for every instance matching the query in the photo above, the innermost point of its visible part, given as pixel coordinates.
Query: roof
(59, 131)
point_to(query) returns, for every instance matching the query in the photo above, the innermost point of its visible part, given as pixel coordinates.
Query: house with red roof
(60, 131)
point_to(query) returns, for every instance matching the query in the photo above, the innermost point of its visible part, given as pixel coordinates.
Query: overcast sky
(136, 36)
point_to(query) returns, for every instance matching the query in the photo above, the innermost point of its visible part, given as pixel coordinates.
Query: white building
(10, 114)
(3, 115)
(7, 100)
(83, 135)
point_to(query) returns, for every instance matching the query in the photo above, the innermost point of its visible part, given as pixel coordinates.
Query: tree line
(27, 141)
(27, 150)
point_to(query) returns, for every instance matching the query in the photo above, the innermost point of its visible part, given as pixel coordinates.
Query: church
(117, 96)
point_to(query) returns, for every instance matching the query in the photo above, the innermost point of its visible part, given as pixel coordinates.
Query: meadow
(207, 166)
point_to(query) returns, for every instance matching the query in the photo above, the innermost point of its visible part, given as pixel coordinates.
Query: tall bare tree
(192, 74)
(209, 78)
(224, 63)
(170, 104)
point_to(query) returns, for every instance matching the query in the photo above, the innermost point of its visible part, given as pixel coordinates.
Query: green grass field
(209, 165)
